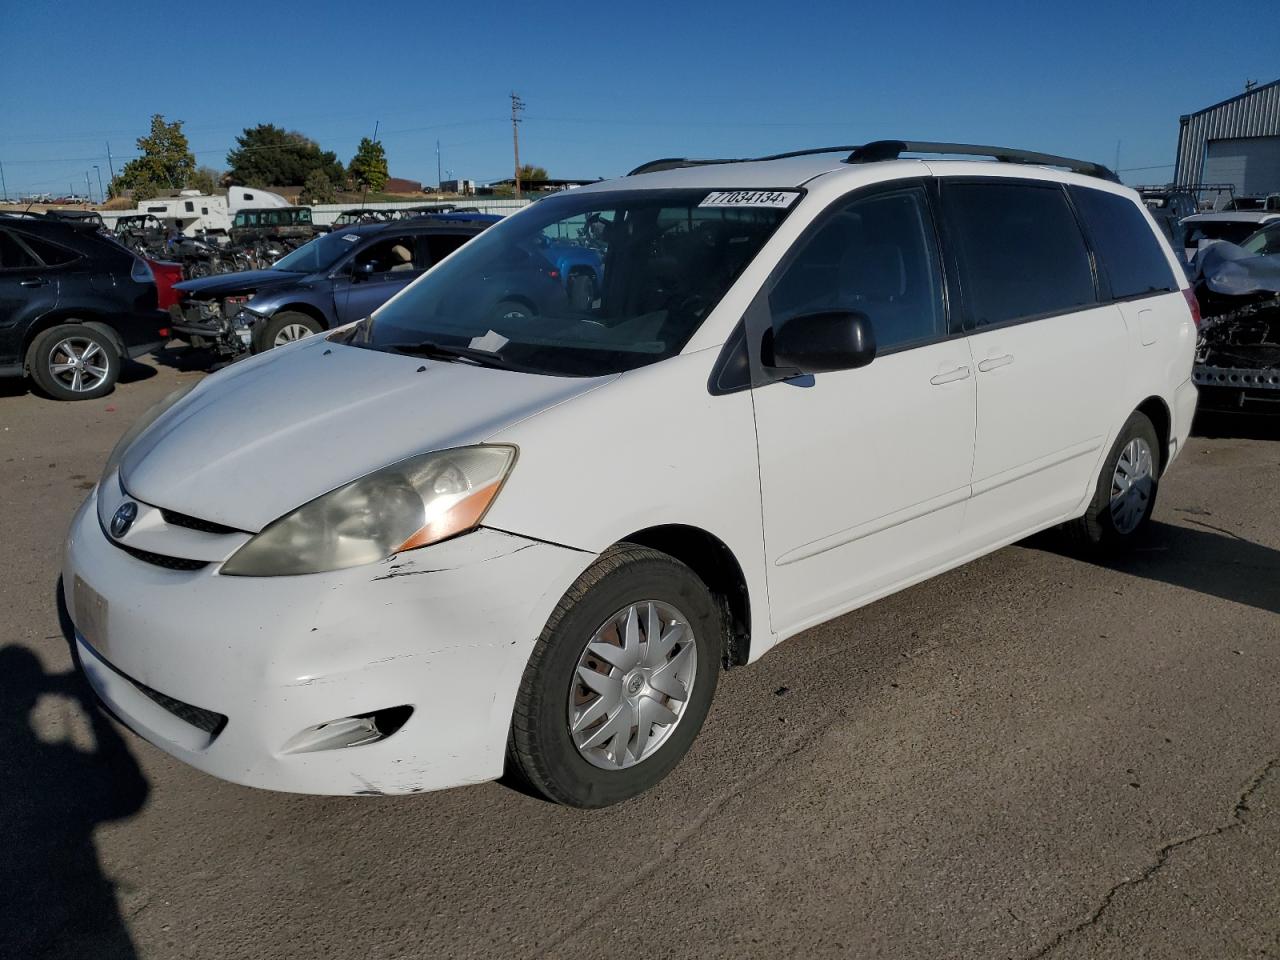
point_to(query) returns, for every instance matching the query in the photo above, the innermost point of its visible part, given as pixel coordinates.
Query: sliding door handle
(959, 373)
(991, 363)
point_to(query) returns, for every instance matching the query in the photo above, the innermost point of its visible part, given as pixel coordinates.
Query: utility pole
(438, 180)
(110, 166)
(1249, 85)
(102, 196)
(4, 191)
(88, 188)
(517, 107)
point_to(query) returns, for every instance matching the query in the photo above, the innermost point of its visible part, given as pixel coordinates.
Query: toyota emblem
(123, 519)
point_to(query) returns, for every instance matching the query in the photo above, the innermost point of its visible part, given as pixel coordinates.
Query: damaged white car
(520, 521)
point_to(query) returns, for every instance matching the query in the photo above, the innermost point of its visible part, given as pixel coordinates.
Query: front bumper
(446, 630)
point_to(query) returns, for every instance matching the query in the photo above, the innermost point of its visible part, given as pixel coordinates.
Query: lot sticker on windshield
(750, 198)
(491, 342)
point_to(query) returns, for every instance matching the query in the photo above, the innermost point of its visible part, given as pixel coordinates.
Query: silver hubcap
(632, 684)
(79, 364)
(1131, 486)
(291, 332)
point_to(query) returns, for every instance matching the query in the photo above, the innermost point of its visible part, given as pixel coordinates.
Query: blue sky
(608, 86)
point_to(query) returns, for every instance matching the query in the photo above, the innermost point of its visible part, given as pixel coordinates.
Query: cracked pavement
(1030, 756)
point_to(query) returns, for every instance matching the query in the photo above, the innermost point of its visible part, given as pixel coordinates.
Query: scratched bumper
(447, 630)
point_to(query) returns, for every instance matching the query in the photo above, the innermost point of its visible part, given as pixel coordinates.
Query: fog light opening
(356, 731)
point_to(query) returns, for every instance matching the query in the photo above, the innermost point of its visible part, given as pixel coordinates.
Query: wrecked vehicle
(336, 278)
(1237, 365)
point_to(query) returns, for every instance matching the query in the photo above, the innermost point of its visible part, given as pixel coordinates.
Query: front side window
(877, 256)
(1129, 255)
(1020, 249)
(659, 262)
(388, 255)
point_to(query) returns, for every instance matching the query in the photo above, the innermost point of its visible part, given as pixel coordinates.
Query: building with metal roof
(1236, 141)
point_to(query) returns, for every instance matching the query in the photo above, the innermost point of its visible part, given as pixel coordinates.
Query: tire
(73, 361)
(285, 327)
(542, 750)
(198, 269)
(1109, 528)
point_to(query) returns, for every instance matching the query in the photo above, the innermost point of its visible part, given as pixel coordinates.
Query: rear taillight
(1194, 304)
(165, 275)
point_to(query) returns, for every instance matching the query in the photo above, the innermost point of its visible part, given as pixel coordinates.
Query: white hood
(267, 435)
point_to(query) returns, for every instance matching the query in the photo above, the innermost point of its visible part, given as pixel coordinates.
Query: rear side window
(1020, 249)
(875, 255)
(49, 253)
(440, 245)
(13, 255)
(1129, 256)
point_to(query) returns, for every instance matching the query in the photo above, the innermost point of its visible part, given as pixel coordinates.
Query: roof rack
(893, 149)
(879, 150)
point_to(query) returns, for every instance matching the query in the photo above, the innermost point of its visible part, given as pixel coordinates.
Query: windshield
(318, 254)
(585, 285)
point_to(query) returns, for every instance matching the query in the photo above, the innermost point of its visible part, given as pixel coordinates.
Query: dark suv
(337, 277)
(73, 304)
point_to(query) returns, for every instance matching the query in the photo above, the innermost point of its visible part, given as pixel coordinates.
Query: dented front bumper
(446, 630)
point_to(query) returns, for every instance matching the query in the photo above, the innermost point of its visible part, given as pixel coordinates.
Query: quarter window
(1020, 249)
(1128, 254)
(875, 255)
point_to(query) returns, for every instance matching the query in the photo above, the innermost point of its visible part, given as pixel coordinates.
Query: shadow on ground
(1208, 560)
(1222, 425)
(56, 899)
(130, 372)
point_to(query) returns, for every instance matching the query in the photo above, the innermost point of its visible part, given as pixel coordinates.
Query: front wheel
(285, 327)
(619, 682)
(1125, 497)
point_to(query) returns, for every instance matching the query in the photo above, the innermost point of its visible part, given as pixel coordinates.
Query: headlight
(409, 504)
(144, 421)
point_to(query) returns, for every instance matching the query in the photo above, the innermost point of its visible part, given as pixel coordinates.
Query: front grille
(200, 718)
(161, 560)
(195, 523)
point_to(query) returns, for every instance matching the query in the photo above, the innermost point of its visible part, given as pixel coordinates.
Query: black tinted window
(1020, 249)
(875, 255)
(49, 253)
(13, 255)
(1128, 254)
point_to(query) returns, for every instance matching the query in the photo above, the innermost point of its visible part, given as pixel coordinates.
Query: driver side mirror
(823, 342)
(362, 271)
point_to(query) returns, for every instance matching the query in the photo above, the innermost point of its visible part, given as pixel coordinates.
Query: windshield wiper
(439, 351)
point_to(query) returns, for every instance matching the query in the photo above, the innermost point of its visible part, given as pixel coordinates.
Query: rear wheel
(1125, 497)
(285, 327)
(74, 362)
(619, 682)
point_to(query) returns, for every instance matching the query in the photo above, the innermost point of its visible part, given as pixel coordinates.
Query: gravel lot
(1031, 756)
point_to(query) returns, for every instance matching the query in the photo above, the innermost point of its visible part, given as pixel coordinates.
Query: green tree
(368, 168)
(529, 172)
(166, 161)
(204, 179)
(268, 156)
(317, 189)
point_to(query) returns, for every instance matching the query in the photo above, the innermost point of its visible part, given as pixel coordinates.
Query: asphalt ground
(1031, 756)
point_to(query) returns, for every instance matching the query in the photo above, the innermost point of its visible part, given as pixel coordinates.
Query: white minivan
(513, 523)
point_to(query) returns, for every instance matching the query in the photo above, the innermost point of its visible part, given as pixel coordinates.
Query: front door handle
(35, 282)
(959, 373)
(992, 363)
